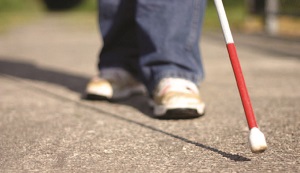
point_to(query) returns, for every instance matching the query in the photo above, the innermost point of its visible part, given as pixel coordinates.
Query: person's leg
(118, 60)
(118, 30)
(169, 32)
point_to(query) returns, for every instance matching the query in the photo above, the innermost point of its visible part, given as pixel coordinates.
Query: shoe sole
(95, 97)
(178, 111)
(180, 114)
(126, 93)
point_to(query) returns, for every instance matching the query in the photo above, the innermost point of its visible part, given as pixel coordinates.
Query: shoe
(113, 84)
(176, 98)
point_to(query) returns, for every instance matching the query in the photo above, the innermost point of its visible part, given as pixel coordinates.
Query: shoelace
(178, 85)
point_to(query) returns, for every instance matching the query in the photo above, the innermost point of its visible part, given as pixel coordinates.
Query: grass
(236, 13)
(87, 6)
(13, 12)
(16, 12)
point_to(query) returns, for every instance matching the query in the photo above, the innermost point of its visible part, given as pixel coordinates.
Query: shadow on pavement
(76, 83)
(30, 71)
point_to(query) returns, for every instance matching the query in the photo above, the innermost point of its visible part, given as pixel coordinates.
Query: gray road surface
(45, 126)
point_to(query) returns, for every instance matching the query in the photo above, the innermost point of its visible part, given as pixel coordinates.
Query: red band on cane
(241, 85)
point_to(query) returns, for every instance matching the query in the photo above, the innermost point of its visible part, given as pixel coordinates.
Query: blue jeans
(152, 39)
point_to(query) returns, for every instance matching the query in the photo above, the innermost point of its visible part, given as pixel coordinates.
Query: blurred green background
(17, 12)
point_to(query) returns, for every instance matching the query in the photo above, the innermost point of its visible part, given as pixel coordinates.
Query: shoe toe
(100, 88)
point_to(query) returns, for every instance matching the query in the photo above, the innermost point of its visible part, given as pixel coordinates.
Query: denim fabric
(152, 39)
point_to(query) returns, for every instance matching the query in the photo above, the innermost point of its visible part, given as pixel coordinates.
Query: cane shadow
(76, 83)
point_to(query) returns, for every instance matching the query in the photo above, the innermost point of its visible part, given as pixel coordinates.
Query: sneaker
(113, 84)
(176, 98)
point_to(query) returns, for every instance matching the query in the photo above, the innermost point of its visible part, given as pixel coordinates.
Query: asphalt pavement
(46, 126)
